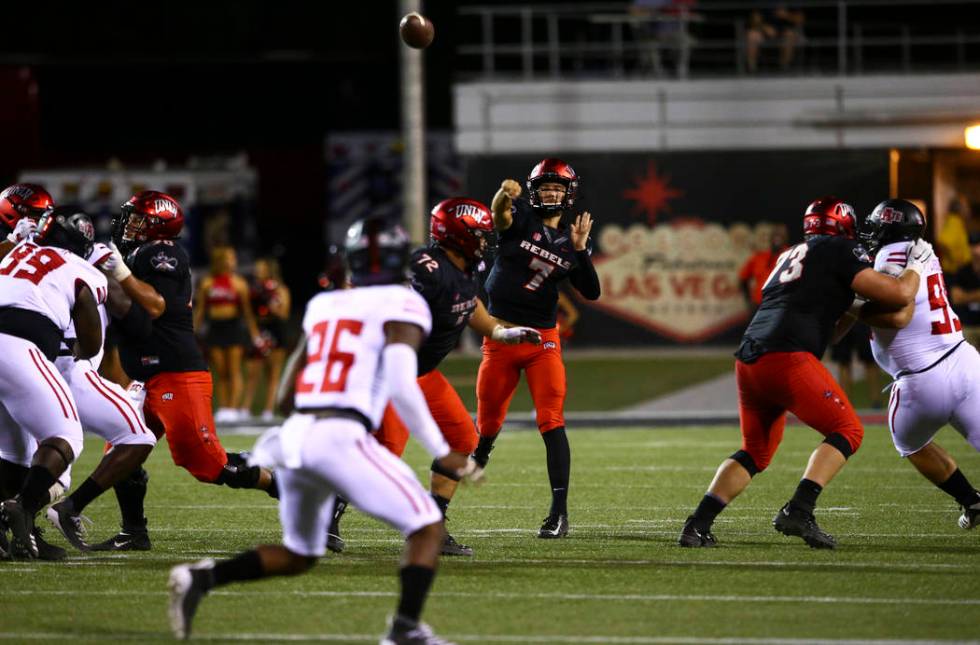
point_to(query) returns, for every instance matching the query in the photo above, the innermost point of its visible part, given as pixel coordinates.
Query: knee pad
(68, 456)
(239, 476)
(748, 462)
(846, 442)
(439, 470)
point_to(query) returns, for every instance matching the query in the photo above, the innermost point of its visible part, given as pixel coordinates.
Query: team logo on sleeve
(163, 262)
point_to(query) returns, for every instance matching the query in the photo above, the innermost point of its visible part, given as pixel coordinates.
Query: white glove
(115, 266)
(919, 255)
(24, 228)
(515, 335)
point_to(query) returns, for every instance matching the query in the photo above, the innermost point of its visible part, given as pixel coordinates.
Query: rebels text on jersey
(171, 346)
(531, 260)
(45, 280)
(804, 296)
(934, 329)
(451, 294)
(345, 337)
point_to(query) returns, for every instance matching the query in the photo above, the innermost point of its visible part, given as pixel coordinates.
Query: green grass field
(903, 570)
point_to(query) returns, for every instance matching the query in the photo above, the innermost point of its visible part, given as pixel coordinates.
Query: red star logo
(651, 193)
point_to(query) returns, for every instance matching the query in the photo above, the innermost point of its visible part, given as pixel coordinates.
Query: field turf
(903, 571)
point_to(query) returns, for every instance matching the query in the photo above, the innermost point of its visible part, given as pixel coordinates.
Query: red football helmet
(23, 200)
(552, 170)
(148, 215)
(463, 225)
(830, 216)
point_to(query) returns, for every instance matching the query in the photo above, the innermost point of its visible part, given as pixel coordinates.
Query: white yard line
(492, 638)
(645, 598)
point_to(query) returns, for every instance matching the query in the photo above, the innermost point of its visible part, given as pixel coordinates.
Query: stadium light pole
(413, 134)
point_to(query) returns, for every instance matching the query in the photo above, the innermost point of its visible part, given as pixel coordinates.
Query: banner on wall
(673, 231)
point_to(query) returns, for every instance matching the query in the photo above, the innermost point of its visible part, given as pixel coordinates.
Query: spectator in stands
(965, 293)
(782, 26)
(953, 241)
(757, 268)
(223, 299)
(270, 305)
(858, 341)
(668, 26)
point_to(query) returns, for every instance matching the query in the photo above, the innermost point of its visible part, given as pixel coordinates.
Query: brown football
(417, 30)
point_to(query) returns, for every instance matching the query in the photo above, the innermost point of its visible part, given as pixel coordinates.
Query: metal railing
(839, 37)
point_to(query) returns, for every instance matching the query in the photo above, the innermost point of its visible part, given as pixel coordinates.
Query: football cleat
(186, 591)
(402, 632)
(4, 542)
(692, 536)
(21, 525)
(46, 550)
(335, 543)
(793, 522)
(125, 540)
(554, 527)
(970, 517)
(452, 547)
(63, 517)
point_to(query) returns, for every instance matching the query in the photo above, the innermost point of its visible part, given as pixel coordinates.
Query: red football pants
(794, 381)
(447, 410)
(500, 371)
(178, 404)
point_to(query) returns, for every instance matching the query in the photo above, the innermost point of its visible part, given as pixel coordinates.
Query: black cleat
(64, 518)
(335, 543)
(186, 591)
(46, 550)
(21, 525)
(125, 540)
(970, 517)
(554, 527)
(452, 547)
(692, 536)
(404, 633)
(794, 522)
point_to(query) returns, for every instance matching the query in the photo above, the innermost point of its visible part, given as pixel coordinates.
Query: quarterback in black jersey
(150, 304)
(778, 367)
(536, 251)
(445, 274)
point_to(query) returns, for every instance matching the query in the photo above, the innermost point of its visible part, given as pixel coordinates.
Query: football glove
(919, 256)
(24, 228)
(115, 266)
(515, 335)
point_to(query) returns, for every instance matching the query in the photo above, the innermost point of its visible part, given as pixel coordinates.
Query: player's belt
(940, 360)
(33, 327)
(339, 413)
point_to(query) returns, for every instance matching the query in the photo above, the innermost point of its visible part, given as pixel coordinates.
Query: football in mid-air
(416, 30)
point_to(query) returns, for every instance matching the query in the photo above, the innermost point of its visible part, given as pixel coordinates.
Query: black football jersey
(532, 259)
(171, 347)
(805, 295)
(451, 295)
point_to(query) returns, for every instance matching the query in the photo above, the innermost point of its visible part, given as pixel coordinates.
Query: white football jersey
(99, 253)
(934, 328)
(345, 337)
(44, 278)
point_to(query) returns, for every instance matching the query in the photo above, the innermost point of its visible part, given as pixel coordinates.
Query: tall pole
(413, 134)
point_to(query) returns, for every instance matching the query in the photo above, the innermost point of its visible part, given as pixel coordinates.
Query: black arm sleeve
(137, 323)
(584, 277)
